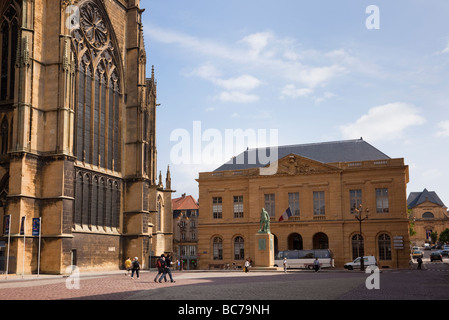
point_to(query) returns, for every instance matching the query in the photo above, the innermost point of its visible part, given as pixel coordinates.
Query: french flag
(287, 214)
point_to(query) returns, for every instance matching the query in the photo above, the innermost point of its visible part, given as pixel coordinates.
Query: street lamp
(358, 215)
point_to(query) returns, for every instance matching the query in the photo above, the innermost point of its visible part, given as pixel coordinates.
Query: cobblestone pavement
(297, 285)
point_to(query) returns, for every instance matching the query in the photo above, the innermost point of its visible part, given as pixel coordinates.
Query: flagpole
(23, 260)
(39, 253)
(9, 245)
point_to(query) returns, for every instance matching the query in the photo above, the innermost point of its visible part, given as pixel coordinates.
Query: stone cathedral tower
(78, 137)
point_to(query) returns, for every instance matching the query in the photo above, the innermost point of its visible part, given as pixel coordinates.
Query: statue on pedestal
(264, 222)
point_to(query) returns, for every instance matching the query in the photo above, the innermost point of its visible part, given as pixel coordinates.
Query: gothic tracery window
(9, 30)
(98, 96)
(4, 129)
(97, 202)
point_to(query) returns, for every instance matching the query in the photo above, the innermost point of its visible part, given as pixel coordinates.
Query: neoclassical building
(428, 213)
(78, 137)
(322, 184)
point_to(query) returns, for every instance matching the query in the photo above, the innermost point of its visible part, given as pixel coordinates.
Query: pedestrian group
(163, 266)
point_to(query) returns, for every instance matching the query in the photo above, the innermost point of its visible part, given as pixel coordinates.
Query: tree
(411, 226)
(444, 236)
(434, 236)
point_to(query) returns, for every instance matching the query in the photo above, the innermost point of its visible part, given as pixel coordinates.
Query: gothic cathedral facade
(78, 137)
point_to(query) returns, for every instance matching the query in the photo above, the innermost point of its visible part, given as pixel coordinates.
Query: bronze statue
(264, 222)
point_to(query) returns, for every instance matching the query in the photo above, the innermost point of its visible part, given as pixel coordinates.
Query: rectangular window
(319, 207)
(355, 199)
(270, 205)
(382, 200)
(293, 203)
(217, 207)
(238, 206)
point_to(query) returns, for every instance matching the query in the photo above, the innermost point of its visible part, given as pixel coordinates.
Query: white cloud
(313, 77)
(290, 91)
(257, 42)
(446, 50)
(264, 53)
(237, 97)
(325, 96)
(236, 89)
(444, 129)
(386, 122)
(244, 82)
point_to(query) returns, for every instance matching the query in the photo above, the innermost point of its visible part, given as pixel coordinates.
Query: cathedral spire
(159, 184)
(168, 179)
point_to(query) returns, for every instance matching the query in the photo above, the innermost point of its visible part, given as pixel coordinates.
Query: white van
(367, 261)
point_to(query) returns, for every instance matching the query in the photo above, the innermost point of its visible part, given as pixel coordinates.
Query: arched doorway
(295, 242)
(320, 241)
(358, 249)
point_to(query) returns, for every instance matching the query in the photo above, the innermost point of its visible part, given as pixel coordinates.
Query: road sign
(398, 242)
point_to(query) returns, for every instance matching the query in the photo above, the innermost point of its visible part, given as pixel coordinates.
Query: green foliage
(444, 236)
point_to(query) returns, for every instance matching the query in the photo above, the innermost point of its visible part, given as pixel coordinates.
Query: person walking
(247, 265)
(135, 268)
(285, 265)
(160, 264)
(168, 264)
(316, 264)
(128, 263)
(419, 262)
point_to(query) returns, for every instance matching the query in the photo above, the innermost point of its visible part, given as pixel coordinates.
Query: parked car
(426, 246)
(417, 254)
(436, 255)
(367, 261)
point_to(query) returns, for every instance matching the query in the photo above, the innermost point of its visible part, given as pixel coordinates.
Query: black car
(436, 255)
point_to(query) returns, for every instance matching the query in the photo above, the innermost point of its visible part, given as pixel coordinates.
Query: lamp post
(359, 211)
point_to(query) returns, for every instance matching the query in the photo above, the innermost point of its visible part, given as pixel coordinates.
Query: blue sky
(311, 70)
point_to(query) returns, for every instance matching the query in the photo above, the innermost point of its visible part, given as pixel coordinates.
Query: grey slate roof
(325, 152)
(416, 198)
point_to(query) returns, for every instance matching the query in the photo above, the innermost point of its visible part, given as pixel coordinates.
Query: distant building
(185, 230)
(428, 213)
(321, 183)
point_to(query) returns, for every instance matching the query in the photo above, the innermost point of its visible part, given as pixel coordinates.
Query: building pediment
(293, 164)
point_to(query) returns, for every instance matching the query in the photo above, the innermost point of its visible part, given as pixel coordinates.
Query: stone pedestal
(264, 257)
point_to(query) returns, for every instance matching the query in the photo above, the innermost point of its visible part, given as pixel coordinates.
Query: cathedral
(78, 138)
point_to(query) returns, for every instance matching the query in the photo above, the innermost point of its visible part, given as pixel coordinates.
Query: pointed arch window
(159, 215)
(9, 32)
(99, 95)
(97, 202)
(4, 135)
